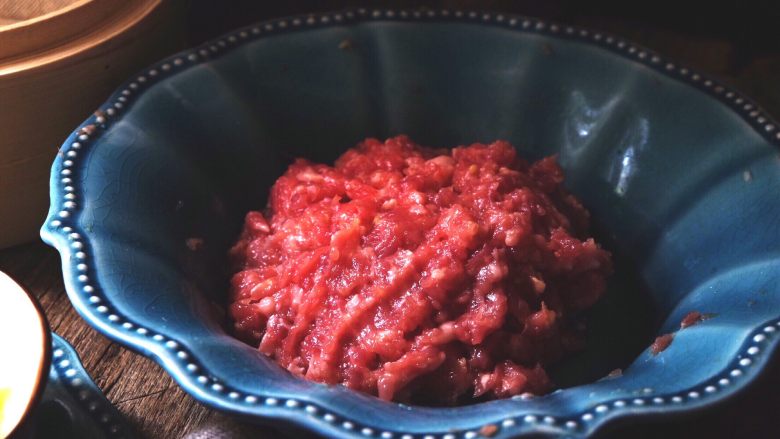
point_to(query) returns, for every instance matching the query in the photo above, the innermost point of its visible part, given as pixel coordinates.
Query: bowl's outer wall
(681, 183)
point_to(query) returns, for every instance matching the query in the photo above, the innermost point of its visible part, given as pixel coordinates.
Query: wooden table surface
(158, 408)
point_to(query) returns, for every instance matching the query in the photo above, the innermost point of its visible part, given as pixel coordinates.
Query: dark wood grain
(158, 408)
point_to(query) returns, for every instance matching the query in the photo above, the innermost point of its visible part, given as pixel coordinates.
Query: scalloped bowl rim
(75, 380)
(61, 231)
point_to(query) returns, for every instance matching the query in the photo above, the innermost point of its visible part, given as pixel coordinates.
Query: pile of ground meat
(420, 275)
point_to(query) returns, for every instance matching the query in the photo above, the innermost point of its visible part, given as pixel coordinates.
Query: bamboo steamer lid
(59, 60)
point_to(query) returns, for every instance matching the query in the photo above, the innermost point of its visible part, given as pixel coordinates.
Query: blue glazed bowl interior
(680, 188)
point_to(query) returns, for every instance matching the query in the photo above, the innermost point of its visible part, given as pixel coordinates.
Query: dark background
(737, 42)
(750, 23)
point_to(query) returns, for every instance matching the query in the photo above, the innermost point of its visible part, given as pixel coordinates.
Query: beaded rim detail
(79, 385)
(60, 231)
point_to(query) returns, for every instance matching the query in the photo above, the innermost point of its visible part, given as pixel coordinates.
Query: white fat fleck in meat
(353, 304)
(309, 176)
(391, 275)
(512, 237)
(297, 295)
(377, 177)
(447, 331)
(438, 273)
(266, 306)
(262, 227)
(295, 367)
(489, 275)
(402, 260)
(262, 288)
(418, 210)
(445, 163)
(386, 336)
(538, 284)
(259, 223)
(404, 257)
(417, 197)
(389, 204)
(496, 270)
(294, 241)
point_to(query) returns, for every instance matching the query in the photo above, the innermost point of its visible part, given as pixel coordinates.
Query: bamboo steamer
(59, 60)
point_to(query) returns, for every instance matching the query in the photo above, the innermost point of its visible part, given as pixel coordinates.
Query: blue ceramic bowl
(680, 173)
(73, 406)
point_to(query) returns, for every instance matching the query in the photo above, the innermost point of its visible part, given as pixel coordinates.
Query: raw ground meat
(428, 276)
